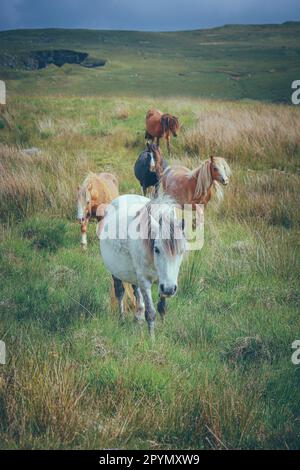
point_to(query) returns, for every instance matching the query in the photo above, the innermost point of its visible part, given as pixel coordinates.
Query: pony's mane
(151, 147)
(168, 121)
(166, 219)
(95, 181)
(158, 161)
(88, 179)
(204, 179)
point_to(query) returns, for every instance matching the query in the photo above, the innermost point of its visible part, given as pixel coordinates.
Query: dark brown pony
(149, 167)
(160, 125)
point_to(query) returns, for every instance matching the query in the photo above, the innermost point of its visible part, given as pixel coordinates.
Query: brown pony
(194, 186)
(160, 125)
(95, 193)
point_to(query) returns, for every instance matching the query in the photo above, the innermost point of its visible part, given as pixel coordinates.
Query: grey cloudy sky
(150, 15)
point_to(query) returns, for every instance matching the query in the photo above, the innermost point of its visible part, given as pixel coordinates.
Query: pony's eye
(156, 250)
(215, 168)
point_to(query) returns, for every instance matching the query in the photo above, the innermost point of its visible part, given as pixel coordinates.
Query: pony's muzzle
(224, 181)
(167, 291)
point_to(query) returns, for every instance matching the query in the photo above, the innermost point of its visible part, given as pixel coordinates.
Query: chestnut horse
(194, 186)
(95, 193)
(160, 125)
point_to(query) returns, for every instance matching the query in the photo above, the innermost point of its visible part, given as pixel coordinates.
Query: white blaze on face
(152, 163)
(167, 267)
(223, 174)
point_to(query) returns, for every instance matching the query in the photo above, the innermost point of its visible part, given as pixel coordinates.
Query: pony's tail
(128, 301)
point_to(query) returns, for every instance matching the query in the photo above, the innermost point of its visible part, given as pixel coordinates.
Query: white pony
(142, 242)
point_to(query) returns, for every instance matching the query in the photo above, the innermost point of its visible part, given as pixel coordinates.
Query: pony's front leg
(149, 308)
(83, 229)
(162, 307)
(168, 145)
(140, 306)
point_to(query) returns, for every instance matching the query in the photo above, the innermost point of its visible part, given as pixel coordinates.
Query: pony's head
(220, 170)
(174, 125)
(156, 159)
(170, 124)
(84, 202)
(165, 243)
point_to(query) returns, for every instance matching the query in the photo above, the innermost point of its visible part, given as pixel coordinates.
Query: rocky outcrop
(40, 59)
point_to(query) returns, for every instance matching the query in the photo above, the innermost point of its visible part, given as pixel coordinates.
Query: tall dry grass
(270, 196)
(41, 402)
(256, 135)
(38, 181)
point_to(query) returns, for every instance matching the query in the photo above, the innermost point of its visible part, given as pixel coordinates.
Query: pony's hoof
(83, 246)
(139, 317)
(151, 331)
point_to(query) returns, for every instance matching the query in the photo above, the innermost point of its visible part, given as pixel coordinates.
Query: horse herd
(142, 239)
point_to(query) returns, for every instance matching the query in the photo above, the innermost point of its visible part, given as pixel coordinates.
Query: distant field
(232, 62)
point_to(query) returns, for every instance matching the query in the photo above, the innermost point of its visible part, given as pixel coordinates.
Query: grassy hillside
(220, 373)
(232, 62)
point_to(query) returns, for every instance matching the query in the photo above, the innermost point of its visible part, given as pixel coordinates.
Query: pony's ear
(212, 158)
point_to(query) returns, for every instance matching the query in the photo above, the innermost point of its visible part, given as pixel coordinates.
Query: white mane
(168, 224)
(88, 179)
(204, 178)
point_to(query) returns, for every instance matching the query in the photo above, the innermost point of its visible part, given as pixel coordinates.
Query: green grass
(220, 373)
(232, 62)
(220, 365)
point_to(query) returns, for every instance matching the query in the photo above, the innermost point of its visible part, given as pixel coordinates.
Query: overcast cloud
(150, 15)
